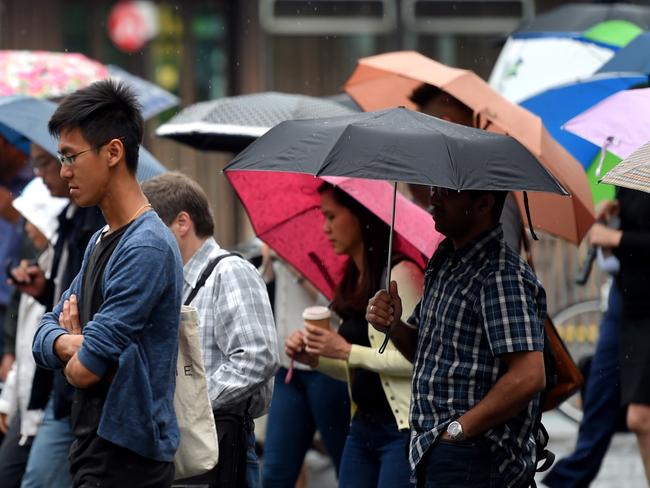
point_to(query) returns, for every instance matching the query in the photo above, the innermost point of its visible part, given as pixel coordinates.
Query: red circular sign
(128, 26)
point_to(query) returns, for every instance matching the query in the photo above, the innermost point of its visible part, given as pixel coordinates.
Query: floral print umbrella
(45, 74)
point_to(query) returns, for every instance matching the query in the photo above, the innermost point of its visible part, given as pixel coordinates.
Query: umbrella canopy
(527, 66)
(231, 123)
(387, 81)
(399, 145)
(633, 58)
(153, 98)
(530, 63)
(284, 206)
(619, 124)
(578, 17)
(29, 116)
(633, 172)
(617, 33)
(45, 74)
(558, 105)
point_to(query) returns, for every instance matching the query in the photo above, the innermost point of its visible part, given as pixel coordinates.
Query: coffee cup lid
(316, 313)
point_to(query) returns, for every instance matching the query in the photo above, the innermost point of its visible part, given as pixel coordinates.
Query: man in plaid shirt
(476, 341)
(237, 330)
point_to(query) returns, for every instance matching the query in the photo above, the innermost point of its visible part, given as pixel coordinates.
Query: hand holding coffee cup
(319, 338)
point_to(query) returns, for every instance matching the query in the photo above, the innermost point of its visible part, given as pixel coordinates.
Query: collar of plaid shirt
(479, 302)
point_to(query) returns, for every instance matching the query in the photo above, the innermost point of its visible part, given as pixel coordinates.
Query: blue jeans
(311, 401)
(48, 465)
(252, 463)
(601, 407)
(453, 464)
(375, 456)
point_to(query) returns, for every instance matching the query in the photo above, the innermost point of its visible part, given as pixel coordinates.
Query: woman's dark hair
(101, 112)
(352, 295)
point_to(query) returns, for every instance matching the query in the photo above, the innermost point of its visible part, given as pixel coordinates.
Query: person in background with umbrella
(237, 329)
(476, 340)
(379, 384)
(631, 245)
(433, 101)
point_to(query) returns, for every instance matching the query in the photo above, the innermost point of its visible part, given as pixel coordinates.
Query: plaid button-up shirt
(479, 302)
(237, 331)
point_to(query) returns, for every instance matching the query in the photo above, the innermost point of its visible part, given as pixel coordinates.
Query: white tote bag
(198, 451)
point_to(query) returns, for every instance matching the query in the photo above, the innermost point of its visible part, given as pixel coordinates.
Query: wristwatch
(455, 431)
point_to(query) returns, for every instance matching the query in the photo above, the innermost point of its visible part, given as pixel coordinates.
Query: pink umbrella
(620, 123)
(284, 209)
(44, 74)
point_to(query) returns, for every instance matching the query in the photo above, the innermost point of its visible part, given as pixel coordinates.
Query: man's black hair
(426, 93)
(103, 111)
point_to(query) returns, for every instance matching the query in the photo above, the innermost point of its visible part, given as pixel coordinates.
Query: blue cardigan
(136, 327)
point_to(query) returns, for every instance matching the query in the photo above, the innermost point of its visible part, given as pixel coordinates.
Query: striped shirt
(237, 331)
(479, 302)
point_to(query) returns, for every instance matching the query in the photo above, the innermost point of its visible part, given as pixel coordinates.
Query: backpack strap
(206, 274)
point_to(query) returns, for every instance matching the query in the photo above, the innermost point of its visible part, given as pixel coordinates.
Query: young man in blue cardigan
(115, 330)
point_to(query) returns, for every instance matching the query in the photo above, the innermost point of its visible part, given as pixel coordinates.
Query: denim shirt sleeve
(133, 284)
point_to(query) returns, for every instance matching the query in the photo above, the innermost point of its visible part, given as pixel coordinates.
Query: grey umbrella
(231, 123)
(399, 145)
(28, 116)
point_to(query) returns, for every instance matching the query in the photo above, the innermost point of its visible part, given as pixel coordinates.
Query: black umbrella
(232, 123)
(578, 17)
(399, 145)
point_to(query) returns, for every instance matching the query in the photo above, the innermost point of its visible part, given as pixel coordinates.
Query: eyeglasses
(68, 159)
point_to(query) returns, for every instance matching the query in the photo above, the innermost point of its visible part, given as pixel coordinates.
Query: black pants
(95, 462)
(230, 471)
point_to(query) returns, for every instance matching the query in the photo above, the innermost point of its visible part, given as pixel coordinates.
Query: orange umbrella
(387, 80)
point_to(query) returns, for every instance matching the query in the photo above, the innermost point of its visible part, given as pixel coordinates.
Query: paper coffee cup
(318, 316)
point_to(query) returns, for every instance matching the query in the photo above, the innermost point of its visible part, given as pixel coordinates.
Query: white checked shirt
(237, 331)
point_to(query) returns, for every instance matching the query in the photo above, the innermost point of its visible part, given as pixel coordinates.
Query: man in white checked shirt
(237, 330)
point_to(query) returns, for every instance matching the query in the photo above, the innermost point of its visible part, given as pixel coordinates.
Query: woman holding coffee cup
(379, 384)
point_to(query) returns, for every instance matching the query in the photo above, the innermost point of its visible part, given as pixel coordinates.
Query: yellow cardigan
(394, 369)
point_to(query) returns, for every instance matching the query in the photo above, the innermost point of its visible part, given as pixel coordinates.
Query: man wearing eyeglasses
(47, 464)
(115, 330)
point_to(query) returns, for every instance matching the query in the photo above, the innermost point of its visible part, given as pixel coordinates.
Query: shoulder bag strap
(206, 274)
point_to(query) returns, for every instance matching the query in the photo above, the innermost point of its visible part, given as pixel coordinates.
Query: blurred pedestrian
(15, 173)
(237, 330)
(631, 245)
(48, 464)
(601, 400)
(375, 450)
(476, 339)
(311, 401)
(115, 330)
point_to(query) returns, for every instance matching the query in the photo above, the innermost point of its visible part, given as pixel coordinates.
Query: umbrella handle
(390, 256)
